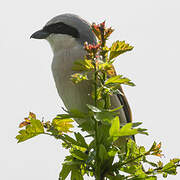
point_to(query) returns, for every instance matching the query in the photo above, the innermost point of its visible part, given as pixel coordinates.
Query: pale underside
(74, 96)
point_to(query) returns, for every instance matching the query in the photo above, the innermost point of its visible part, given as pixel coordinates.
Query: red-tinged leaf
(24, 123)
(32, 115)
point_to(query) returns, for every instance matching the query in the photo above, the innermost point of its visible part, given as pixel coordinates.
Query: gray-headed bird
(66, 35)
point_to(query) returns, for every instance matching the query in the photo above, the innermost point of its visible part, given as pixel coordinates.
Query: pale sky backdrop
(151, 26)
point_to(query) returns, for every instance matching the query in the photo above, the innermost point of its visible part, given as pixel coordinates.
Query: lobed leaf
(119, 47)
(119, 79)
(31, 130)
(80, 139)
(83, 65)
(62, 125)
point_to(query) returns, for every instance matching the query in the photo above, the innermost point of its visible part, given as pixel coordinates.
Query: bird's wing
(122, 98)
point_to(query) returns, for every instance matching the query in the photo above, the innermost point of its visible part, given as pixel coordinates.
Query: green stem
(103, 42)
(97, 163)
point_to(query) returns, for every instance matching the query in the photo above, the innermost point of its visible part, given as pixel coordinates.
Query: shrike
(67, 34)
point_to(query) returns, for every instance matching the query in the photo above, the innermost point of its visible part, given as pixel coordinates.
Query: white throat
(60, 42)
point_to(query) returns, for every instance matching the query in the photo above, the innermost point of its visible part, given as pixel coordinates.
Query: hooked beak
(40, 34)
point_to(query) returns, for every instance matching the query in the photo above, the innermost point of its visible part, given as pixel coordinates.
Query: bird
(66, 34)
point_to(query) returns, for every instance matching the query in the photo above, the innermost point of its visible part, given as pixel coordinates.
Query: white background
(151, 26)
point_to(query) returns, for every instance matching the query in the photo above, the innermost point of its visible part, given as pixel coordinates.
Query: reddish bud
(102, 25)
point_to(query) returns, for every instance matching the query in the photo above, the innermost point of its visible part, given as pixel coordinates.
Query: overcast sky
(151, 26)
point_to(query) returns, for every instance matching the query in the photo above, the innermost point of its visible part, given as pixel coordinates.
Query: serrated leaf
(80, 139)
(105, 66)
(119, 79)
(88, 125)
(33, 129)
(83, 65)
(62, 125)
(70, 139)
(76, 175)
(114, 79)
(64, 172)
(119, 47)
(170, 168)
(79, 155)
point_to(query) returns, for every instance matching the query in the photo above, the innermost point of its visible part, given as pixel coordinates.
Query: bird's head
(65, 31)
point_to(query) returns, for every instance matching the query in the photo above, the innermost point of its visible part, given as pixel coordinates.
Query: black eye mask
(61, 28)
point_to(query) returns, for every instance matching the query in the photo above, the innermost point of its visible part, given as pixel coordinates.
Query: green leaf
(103, 153)
(70, 140)
(127, 130)
(87, 125)
(78, 77)
(132, 149)
(131, 169)
(117, 177)
(76, 175)
(170, 168)
(119, 47)
(83, 65)
(103, 134)
(116, 109)
(91, 145)
(136, 124)
(104, 116)
(73, 113)
(114, 79)
(165, 175)
(114, 129)
(79, 154)
(80, 139)
(64, 172)
(93, 108)
(62, 125)
(119, 79)
(142, 131)
(112, 152)
(33, 129)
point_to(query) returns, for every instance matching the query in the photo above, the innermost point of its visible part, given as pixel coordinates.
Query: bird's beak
(40, 34)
